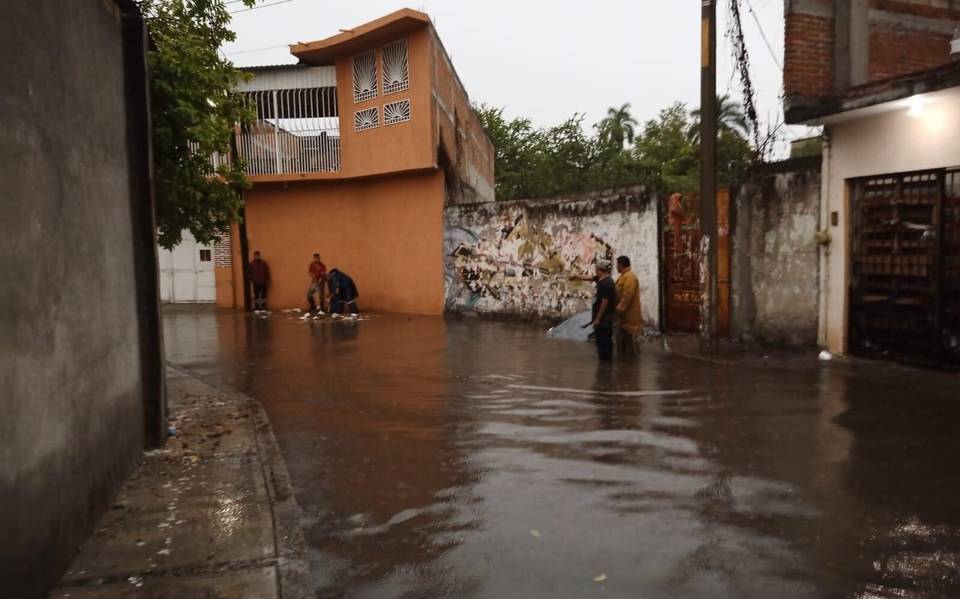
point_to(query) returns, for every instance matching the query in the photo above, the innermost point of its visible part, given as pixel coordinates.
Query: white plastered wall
(906, 135)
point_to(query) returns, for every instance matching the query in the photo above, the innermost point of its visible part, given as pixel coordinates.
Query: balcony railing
(296, 131)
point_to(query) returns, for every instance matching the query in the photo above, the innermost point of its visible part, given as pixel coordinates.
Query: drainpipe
(824, 239)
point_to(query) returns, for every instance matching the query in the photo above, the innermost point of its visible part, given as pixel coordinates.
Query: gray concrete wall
(515, 258)
(71, 387)
(774, 258)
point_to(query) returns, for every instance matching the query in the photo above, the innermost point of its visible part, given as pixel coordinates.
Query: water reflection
(464, 458)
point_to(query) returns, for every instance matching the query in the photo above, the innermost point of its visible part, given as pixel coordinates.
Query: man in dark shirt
(343, 292)
(260, 277)
(603, 310)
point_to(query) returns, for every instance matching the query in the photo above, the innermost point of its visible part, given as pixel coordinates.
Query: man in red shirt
(318, 281)
(260, 277)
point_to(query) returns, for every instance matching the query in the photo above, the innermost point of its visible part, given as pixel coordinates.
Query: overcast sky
(547, 60)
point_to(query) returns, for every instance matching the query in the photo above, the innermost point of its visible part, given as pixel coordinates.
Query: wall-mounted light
(918, 105)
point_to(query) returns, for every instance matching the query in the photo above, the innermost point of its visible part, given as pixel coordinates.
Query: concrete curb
(293, 566)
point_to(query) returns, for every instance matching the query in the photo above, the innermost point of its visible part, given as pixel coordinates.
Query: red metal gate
(683, 257)
(905, 284)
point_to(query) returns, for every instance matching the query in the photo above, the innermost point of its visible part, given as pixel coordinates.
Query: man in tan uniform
(629, 314)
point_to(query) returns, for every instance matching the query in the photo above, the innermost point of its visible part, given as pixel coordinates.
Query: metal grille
(396, 112)
(296, 131)
(396, 70)
(951, 269)
(366, 119)
(905, 273)
(365, 76)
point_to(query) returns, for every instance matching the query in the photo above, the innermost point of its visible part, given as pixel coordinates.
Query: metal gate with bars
(905, 259)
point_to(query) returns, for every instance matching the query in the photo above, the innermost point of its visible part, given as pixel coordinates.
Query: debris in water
(572, 328)
(535, 533)
(825, 356)
(600, 578)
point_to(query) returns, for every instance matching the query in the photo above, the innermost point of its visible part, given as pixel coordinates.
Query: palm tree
(730, 117)
(618, 126)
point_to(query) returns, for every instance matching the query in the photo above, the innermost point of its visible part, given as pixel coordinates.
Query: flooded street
(466, 458)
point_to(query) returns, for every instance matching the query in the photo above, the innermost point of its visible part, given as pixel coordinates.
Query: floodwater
(469, 458)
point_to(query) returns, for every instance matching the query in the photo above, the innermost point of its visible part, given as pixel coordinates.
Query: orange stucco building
(354, 154)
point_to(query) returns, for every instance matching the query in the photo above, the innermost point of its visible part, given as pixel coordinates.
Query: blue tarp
(572, 328)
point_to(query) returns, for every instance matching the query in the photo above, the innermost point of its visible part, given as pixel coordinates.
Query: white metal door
(186, 272)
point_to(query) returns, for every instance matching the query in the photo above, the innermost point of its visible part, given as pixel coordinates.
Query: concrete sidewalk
(211, 515)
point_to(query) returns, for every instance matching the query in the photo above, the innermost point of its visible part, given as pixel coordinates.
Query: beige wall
(884, 140)
(386, 233)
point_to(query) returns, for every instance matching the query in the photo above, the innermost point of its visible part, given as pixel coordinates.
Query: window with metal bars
(396, 67)
(295, 131)
(365, 76)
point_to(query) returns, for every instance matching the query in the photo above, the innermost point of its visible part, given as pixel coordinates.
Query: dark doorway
(905, 260)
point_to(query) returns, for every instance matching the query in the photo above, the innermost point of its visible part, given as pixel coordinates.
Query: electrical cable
(258, 49)
(763, 35)
(261, 6)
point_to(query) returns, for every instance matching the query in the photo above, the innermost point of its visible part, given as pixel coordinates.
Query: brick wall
(895, 51)
(808, 56)
(465, 153)
(906, 36)
(223, 251)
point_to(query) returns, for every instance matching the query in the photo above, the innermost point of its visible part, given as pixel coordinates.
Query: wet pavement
(208, 516)
(469, 458)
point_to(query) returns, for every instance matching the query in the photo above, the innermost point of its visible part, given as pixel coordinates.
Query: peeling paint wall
(775, 266)
(515, 258)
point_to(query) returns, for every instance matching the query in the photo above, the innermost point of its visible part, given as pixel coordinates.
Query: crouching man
(343, 293)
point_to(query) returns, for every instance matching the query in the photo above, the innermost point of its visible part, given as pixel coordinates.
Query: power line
(763, 35)
(261, 6)
(258, 49)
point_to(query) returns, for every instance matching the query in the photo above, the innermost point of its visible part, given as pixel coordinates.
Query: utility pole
(708, 175)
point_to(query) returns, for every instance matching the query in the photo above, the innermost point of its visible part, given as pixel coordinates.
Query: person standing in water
(318, 284)
(259, 272)
(629, 313)
(603, 312)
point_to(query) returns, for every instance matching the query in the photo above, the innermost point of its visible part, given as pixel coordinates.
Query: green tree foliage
(194, 109)
(532, 162)
(730, 118)
(538, 162)
(618, 127)
(665, 144)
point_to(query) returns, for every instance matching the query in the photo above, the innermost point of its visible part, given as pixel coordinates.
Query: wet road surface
(467, 458)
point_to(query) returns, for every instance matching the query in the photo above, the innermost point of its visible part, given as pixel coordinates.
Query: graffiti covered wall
(516, 258)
